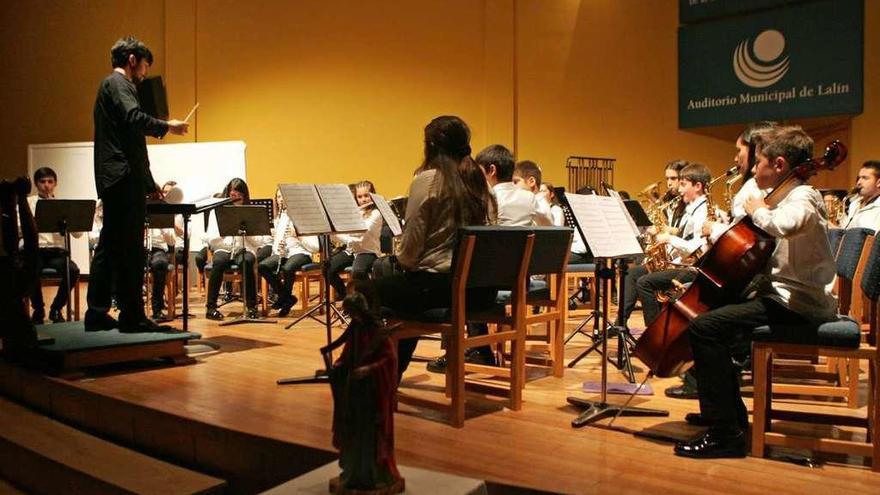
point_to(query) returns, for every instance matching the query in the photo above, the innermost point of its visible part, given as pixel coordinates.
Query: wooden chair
(578, 279)
(840, 339)
(552, 247)
(852, 254)
(170, 289)
(310, 273)
(486, 257)
(52, 278)
(233, 274)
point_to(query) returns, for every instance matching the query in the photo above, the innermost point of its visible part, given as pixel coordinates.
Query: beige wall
(340, 90)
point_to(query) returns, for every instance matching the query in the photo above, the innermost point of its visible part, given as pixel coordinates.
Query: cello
(723, 273)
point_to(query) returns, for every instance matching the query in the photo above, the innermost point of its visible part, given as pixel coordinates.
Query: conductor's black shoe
(96, 321)
(253, 314)
(160, 316)
(714, 444)
(38, 316)
(143, 326)
(55, 316)
(213, 314)
(697, 419)
(683, 391)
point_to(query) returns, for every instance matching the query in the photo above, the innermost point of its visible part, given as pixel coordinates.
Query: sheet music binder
(607, 227)
(75, 215)
(322, 209)
(387, 214)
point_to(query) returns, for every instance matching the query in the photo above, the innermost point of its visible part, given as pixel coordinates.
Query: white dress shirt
(48, 239)
(217, 243)
(161, 239)
(801, 271)
(858, 216)
(692, 220)
(749, 190)
(519, 207)
(367, 242)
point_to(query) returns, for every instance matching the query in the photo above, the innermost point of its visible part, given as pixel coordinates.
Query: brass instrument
(656, 254)
(650, 195)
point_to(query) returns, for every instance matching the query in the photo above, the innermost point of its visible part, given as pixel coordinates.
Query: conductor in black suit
(123, 181)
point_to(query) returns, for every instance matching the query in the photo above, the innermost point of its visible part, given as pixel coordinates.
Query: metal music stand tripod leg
(599, 318)
(596, 410)
(328, 320)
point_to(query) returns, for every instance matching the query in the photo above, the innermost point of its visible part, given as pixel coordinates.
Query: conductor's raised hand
(178, 127)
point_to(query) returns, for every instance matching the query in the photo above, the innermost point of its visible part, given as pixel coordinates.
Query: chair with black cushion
(838, 339)
(834, 237)
(491, 258)
(548, 297)
(49, 277)
(233, 274)
(852, 253)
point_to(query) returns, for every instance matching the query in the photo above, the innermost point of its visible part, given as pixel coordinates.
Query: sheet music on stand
(345, 216)
(305, 209)
(606, 224)
(387, 214)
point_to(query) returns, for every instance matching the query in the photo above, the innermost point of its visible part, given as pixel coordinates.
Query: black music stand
(600, 215)
(243, 221)
(155, 221)
(186, 210)
(65, 216)
(326, 209)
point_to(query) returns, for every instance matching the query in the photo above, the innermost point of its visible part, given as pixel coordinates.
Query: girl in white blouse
(361, 249)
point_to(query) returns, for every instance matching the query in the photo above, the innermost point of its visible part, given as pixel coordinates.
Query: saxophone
(656, 254)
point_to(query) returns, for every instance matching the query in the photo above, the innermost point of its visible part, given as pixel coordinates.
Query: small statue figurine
(364, 383)
(18, 268)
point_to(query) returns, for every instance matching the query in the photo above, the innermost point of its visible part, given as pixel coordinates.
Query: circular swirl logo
(757, 63)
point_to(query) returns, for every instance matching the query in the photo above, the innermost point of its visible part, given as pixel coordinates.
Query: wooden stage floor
(536, 447)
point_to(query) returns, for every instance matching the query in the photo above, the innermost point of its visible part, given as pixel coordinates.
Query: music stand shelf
(608, 229)
(243, 221)
(65, 216)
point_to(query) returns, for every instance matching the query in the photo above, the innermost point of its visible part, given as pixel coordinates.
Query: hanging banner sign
(801, 61)
(701, 10)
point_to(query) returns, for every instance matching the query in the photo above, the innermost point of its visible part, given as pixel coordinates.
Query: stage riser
(249, 463)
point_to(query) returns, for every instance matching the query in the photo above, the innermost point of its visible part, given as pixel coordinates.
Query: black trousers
(118, 264)
(159, 264)
(53, 258)
(281, 280)
(201, 259)
(413, 293)
(713, 335)
(630, 292)
(649, 284)
(360, 264)
(222, 261)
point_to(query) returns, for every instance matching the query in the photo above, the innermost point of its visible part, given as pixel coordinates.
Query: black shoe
(697, 419)
(437, 365)
(144, 326)
(213, 314)
(160, 316)
(253, 314)
(97, 322)
(478, 356)
(713, 445)
(683, 391)
(38, 316)
(286, 306)
(55, 316)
